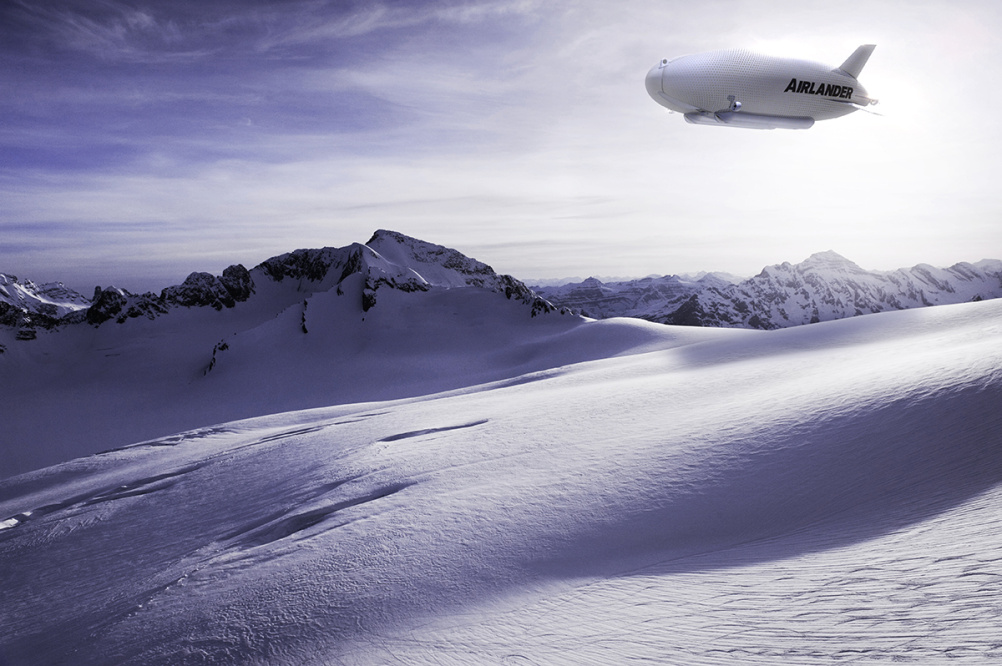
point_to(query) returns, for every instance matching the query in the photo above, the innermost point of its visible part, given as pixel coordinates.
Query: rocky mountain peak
(438, 265)
(310, 265)
(53, 297)
(389, 260)
(827, 261)
(205, 289)
(403, 262)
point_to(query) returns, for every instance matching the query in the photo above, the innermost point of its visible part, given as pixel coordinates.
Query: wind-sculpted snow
(808, 495)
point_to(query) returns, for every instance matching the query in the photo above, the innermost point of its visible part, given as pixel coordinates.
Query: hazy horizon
(155, 283)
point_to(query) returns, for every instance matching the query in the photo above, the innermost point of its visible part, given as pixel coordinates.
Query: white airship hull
(743, 89)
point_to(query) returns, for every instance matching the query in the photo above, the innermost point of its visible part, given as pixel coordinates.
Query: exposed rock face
(107, 304)
(199, 289)
(120, 305)
(824, 287)
(310, 265)
(690, 313)
(204, 289)
(238, 282)
(28, 306)
(13, 316)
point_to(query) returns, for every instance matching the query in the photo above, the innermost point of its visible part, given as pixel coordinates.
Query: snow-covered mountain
(387, 453)
(393, 318)
(388, 259)
(25, 304)
(824, 287)
(811, 495)
(302, 329)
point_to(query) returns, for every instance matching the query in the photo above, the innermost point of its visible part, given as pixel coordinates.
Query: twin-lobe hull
(743, 89)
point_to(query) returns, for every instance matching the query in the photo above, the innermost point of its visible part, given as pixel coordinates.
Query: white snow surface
(83, 389)
(807, 495)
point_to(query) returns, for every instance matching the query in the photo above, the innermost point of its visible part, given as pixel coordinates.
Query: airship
(738, 88)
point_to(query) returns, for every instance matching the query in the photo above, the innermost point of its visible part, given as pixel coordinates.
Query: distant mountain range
(824, 287)
(722, 495)
(392, 318)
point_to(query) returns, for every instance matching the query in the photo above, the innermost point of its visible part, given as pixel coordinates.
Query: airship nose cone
(653, 81)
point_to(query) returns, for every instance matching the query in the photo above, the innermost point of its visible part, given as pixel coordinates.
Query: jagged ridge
(824, 287)
(633, 298)
(388, 260)
(24, 303)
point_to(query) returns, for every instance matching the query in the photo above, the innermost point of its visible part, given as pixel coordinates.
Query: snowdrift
(805, 495)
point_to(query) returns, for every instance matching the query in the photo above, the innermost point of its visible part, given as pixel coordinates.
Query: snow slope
(394, 318)
(807, 495)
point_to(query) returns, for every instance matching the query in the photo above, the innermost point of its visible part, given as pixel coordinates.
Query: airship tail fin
(853, 65)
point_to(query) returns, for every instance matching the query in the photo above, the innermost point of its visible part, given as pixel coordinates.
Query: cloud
(312, 123)
(173, 30)
(109, 31)
(177, 84)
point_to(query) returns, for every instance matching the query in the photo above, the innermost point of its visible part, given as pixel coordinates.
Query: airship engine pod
(738, 88)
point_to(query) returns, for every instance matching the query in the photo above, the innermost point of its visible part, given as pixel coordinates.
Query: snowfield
(83, 389)
(397, 317)
(807, 495)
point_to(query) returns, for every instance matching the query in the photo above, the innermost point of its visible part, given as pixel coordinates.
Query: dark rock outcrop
(206, 290)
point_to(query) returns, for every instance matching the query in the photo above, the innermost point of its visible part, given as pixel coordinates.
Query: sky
(141, 141)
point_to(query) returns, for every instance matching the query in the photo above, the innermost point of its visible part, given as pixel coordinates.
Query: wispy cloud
(309, 123)
(172, 30)
(112, 31)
